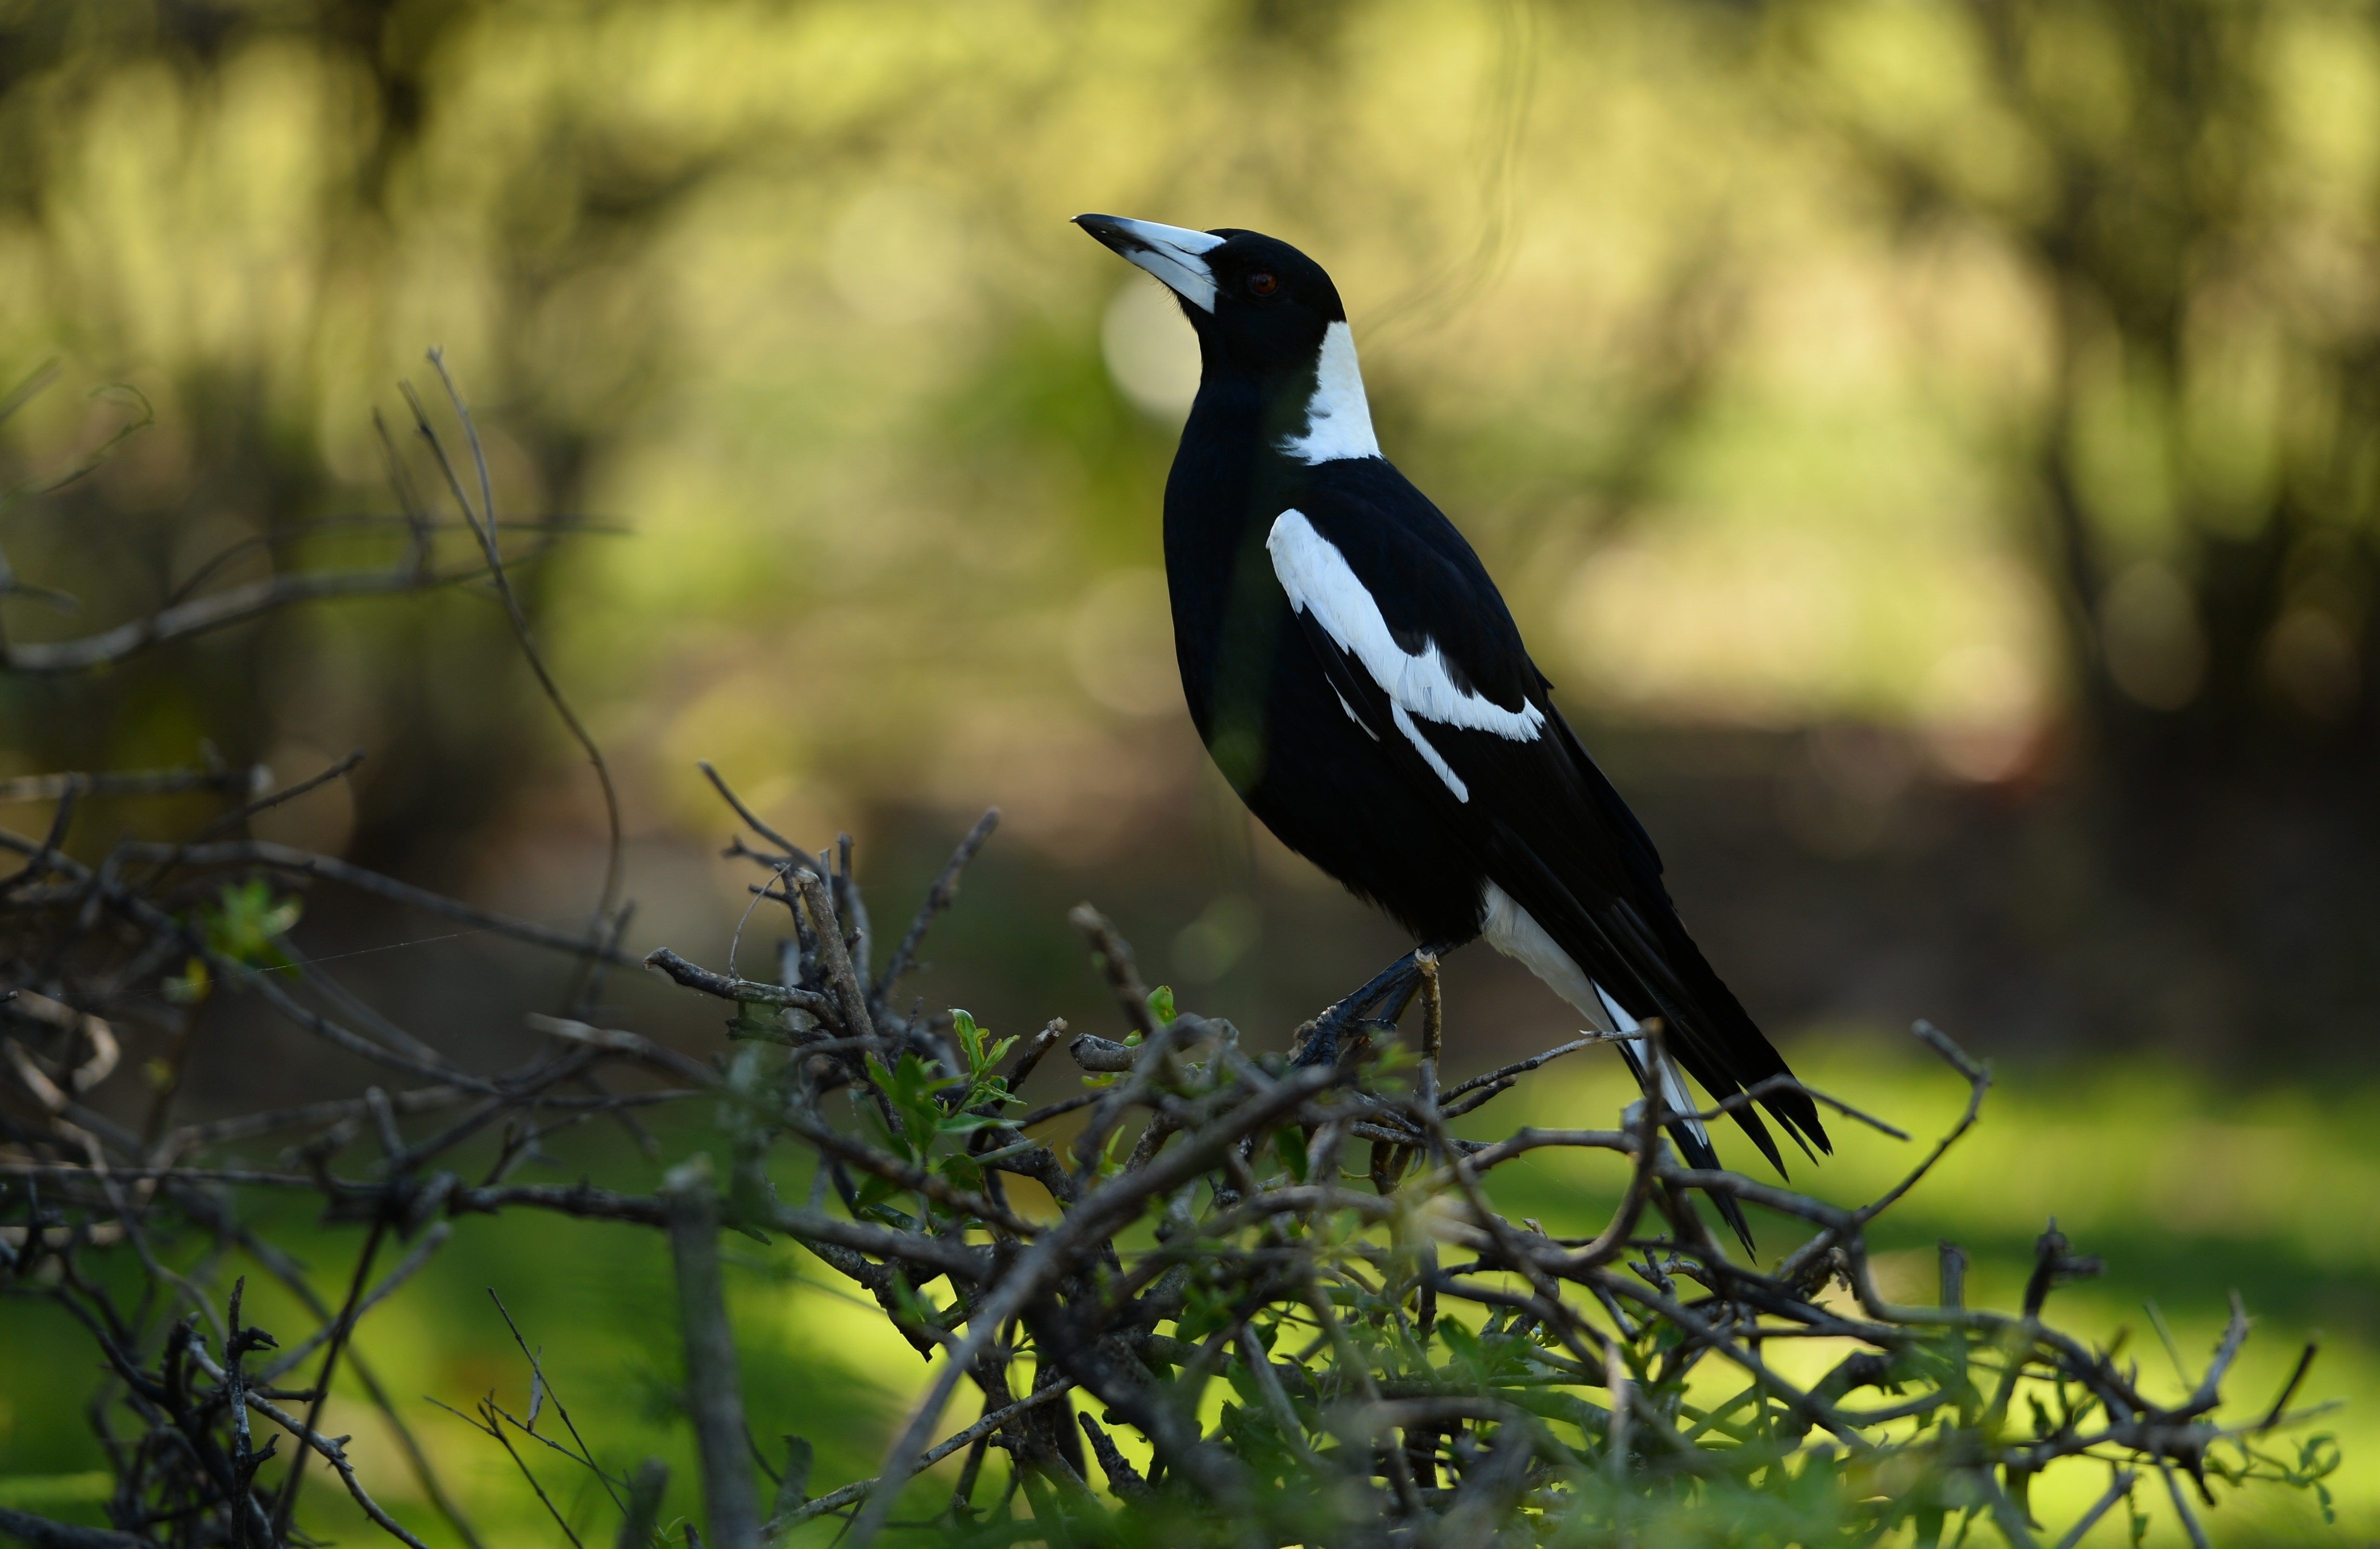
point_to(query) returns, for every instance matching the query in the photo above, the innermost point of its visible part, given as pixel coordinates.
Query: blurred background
(1931, 445)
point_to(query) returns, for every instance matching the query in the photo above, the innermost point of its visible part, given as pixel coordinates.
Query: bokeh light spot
(1150, 351)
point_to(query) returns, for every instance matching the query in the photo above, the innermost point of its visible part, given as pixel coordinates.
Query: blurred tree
(1984, 372)
(200, 193)
(2193, 188)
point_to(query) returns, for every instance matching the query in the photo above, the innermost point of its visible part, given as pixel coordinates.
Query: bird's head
(1266, 313)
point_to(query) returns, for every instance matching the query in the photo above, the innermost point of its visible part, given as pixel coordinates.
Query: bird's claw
(1346, 1029)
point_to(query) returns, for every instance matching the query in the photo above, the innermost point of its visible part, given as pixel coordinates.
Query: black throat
(1230, 480)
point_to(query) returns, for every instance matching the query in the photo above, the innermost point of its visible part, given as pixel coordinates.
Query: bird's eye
(1262, 284)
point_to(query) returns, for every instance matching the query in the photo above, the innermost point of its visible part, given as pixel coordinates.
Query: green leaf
(1289, 1142)
(912, 1306)
(1160, 1005)
(1203, 1312)
(246, 923)
(910, 1088)
(1110, 1162)
(2042, 1424)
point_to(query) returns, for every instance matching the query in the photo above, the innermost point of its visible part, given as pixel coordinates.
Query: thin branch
(939, 897)
(220, 610)
(714, 1398)
(744, 991)
(143, 782)
(483, 523)
(307, 864)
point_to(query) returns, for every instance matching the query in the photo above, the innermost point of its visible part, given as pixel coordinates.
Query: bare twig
(145, 781)
(750, 992)
(483, 523)
(939, 897)
(713, 1391)
(220, 610)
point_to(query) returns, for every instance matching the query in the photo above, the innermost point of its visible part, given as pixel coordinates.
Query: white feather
(1337, 416)
(1512, 931)
(1352, 715)
(1429, 755)
(1319, 580)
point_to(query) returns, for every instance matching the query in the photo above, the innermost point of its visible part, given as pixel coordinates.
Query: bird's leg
(1320, 1041)
(1376, 1005)
(1409, 984)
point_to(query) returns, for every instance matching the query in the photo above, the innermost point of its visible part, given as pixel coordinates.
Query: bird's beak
(1171, 252)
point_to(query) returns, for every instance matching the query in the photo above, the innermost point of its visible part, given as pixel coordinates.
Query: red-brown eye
(1262, 284)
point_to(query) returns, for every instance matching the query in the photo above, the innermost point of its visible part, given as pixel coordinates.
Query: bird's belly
(1325, 788)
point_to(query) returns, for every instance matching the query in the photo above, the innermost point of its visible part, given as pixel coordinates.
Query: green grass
(2188, 1187)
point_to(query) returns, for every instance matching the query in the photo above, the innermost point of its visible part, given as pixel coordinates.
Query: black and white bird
(1359, 681)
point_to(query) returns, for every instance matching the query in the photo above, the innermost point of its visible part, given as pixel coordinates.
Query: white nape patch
(1171, 252)
(1512, 931)
(1338, 418)
(1319, 582)
(1352, 715)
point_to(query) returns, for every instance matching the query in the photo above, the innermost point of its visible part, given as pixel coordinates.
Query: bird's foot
(1330, 1040)
(1346, 1028)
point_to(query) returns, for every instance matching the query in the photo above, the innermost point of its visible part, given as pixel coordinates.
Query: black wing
(1420, 646)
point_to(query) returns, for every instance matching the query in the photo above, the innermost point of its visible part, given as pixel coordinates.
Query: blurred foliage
(2191, 188)
(1980, 367)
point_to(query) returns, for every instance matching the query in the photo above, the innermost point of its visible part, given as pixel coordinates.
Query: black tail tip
(1733, 1213)
(1697, 1149)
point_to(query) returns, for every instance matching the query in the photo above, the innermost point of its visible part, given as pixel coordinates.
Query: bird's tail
(1693, 1142)
(1512, 931)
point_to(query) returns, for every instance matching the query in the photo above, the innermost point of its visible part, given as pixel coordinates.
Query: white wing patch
(1429, 754)
(1337, 416)
(1319, 580)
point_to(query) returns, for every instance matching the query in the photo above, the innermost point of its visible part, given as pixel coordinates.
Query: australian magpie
(1359, 681)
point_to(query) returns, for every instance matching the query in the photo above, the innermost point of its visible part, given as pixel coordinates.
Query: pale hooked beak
(1170, 252)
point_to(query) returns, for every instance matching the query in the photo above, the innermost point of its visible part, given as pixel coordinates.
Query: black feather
(1698, 1154)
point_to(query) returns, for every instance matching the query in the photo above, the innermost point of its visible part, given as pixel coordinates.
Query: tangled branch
(1404, 1363)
